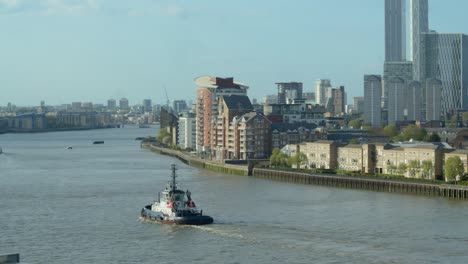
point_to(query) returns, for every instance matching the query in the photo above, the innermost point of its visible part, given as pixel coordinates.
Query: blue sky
(92, 50)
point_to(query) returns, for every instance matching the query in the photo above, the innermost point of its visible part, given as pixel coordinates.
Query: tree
(278, 158)
(163, 133)
(390, 131)
(414, 132)
(465, 117)
(354, 141)
(402, 168)
(355, 123)
(433, 138)
(427, 168)
(298, 159)
(453, 168)
(413, 167)
(391, 168)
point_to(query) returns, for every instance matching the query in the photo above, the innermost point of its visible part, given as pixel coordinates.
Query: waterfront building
(147, 106)
(395, 30)
(321, 154)
(283, 134)
(396, 100)
(461, 153)
(419, 20)
(433, 99)
(295, 113)
(322, 87)
(249, 136)
(111, 104)
(168, 120)
(372, 100)
(208, 92)
(446, 59)
(289, 91)
(123, 105)
(413, 101)
(187, 136)
(28, 122)
(350, 158)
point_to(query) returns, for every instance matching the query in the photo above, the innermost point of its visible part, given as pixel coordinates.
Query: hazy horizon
(92, 50)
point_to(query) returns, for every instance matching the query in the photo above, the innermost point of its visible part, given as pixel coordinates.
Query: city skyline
(96, 50)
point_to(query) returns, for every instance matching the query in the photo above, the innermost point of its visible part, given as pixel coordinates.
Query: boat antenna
(173, 169)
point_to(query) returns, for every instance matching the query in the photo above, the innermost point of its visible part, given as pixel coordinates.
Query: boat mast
(173, 168)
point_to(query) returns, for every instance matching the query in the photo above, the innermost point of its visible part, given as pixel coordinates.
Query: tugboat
(174, 206)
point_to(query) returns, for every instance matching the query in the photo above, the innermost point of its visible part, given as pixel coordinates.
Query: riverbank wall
(200, 163)
(338, 181)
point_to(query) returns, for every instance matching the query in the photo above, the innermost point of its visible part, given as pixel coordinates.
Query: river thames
(81, 205)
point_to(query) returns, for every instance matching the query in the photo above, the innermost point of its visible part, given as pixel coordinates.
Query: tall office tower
(396, 69)
(358, 105)
(447, 60)
(321, 91)
(288, 92)
(433, 100)
(123, 104)
(419, 24)
(209, 91)
(395, 30)
(338, 100)
(396, 100)
(179, 106)
(413, 101)
(147, 106)
(372, 100)
(111, 104)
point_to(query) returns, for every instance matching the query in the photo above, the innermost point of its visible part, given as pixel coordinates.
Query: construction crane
(167, 98)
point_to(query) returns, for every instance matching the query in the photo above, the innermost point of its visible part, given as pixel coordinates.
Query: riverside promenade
(332, 180)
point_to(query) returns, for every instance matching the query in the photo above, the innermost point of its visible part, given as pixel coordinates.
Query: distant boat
(70, 147)
(99, 142)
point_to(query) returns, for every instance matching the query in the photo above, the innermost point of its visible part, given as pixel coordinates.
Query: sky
(64, 51)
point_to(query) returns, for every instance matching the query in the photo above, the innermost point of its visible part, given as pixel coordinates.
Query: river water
(81, 205)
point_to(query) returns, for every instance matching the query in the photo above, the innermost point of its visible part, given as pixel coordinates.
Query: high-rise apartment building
(396, 100)
(147, 106)
(433, 102)
(395, 30)
(179, 106)
(419, 20)
(339, 100)
(413, 101)
(123, 104)
(322, 87)
(288, 92)
(209, 91)
(111, 104)
(187, 131)
(358, 105)
(372, 100)
(446, 59)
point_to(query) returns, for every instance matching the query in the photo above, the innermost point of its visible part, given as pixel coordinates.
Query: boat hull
(151, 216)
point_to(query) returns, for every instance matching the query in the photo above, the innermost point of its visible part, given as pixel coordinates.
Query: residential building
(419, 20)
(27, 122)
(320, 154)
(179, 106)
(350, 158)
(372, 100)
(446, 59)
(76, 106)
(250, 134)
(433, 99)
(208, 92)
(396, 69)
(111, 104)
(396, 100)
(289, 91)
(123, 105)
(413, 101)
(295, 113)
(358, 105)
(461, 153)
(147, 106)
(395, 30)
(339, 100)
(322, 87)
(283, 134)
(187, 137)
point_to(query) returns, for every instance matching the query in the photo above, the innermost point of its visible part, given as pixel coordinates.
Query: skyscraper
(372, 100)
(395, 30)
(321, 91)
(147, 106)
(446, 59)
(433, 102)
(413, 101)
(419, 24)
(396, 100)
(287, 92)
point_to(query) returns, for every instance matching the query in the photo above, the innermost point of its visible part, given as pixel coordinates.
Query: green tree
(414, 132)
(465, 117)
(391, 168)
(299, 159)
(390, 131)
(354, 141)
(278, 158)
(453, 168)
(162, 134)
(402, 168)
(413, 167)
(434, 137)
(427, 168)
(355, 123)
